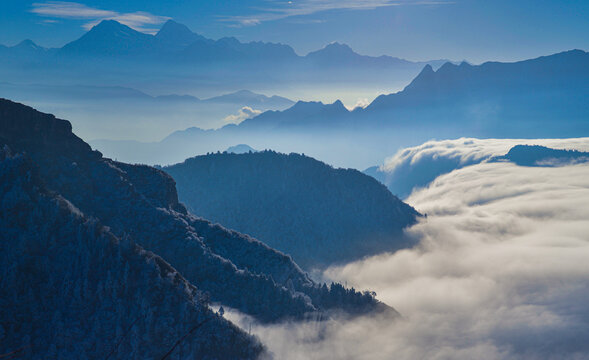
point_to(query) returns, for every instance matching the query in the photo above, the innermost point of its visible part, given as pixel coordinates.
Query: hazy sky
(475, 30)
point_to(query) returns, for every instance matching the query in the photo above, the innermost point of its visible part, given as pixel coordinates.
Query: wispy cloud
(140, 21)
(284, 9)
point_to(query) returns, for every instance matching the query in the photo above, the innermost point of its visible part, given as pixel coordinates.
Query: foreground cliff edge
(100, 259)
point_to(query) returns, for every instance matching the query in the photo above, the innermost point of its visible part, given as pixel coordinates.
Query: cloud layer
(501, 272)
(418, 166)
(472, 150)
(140, 21)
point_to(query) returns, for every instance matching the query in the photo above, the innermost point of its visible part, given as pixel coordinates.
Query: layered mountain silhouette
(544, 97)
(103, 111)
(177, 60)
(320, 215)
(70, 215)
(100, 93)
(492, 99)
(176, 41)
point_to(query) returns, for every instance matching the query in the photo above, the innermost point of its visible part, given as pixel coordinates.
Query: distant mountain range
(107, 111)
(547, 95)
(81, 229)
(95, 93)
(176, 42)
(320, 215)
(544, 97)
(176, 60)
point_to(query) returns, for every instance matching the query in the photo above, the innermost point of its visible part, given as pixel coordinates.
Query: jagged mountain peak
(333, 49)
(179, 34)
(338, 104)
(174, 27)
(110, 37)
(28, 44)
(244, 92)
(317, 105)
(338, 46)
(109, 26)
(306, 105)
(427, 69)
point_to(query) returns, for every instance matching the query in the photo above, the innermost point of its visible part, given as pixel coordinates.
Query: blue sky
(474, 30)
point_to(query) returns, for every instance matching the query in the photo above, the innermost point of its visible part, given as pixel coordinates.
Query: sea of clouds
(415, 167)
(501, 272)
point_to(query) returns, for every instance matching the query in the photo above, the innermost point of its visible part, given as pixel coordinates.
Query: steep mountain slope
(546, 96)
(140, 203)
(71, 289)
(318, 214)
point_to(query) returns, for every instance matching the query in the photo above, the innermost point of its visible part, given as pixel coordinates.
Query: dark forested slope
(138, 204)
(70, 289)
(301, 206)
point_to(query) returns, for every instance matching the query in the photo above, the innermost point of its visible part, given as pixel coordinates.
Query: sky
(472, 30)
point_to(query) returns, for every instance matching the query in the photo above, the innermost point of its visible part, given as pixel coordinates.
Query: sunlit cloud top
(140, 21)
